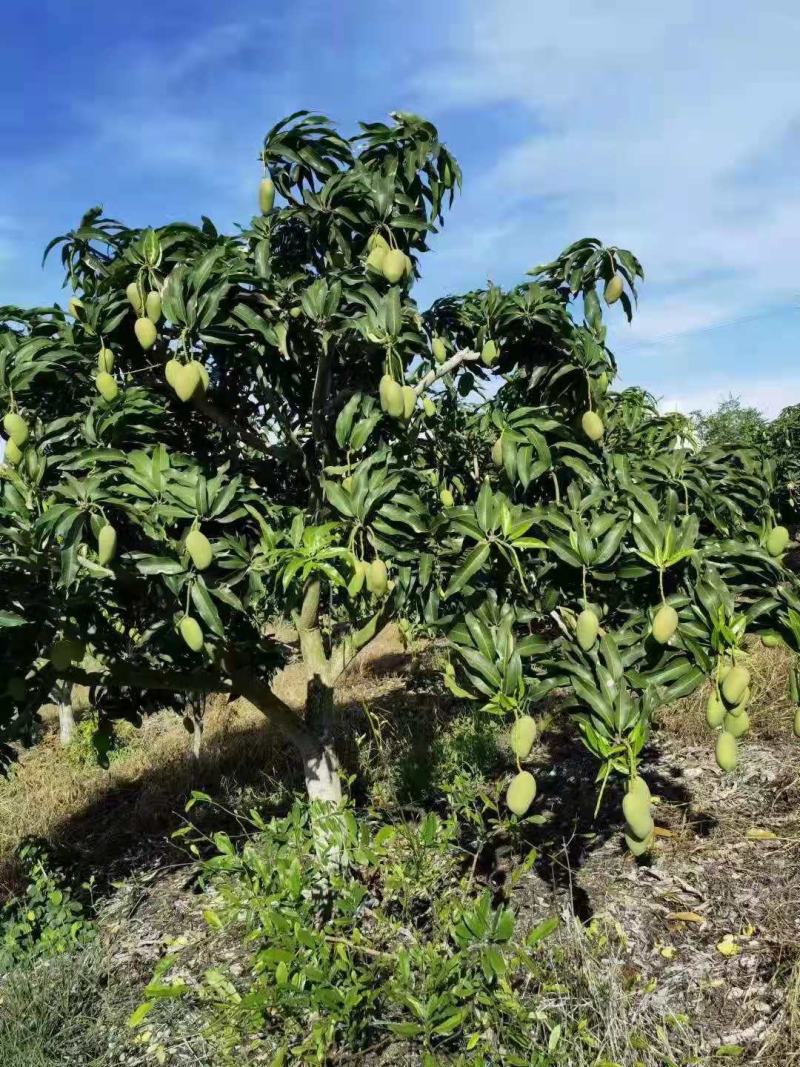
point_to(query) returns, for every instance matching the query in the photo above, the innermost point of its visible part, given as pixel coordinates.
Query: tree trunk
(197, 738)
(66, 717)
(320, 762)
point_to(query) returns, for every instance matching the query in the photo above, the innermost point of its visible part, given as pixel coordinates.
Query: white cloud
(673, 130)
(769, 396)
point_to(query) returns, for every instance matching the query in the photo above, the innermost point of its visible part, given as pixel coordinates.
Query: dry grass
(771, 710)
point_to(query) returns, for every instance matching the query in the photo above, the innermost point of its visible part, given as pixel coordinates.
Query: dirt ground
(704, 933)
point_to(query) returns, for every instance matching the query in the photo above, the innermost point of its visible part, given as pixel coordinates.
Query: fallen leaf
(755, 834)
(667, 951)
(686, 916)
(662, 831)
(727, 946)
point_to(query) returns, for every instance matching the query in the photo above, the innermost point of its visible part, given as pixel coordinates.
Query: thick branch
(464, 355)
(346, 651)
(319, 399)
(258, 693)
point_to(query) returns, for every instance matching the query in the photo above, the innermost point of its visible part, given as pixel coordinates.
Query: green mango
(665, 623)
(637, 815)
(191, 633)
(12, 455)
(106, 386)
(715, 710)
(105, 360)
(586, 629)
(613, 289)
(106, 544)
(737, 724)
(394, 265)
(726, 751)
(377, 240)
(135, 297)
(522, 736)
(187, 380)
(391, 397)
(636, 847)
(152, 306)
(796, 723)
(409, 402)
(74, 306)
(428, 407)
(266, 195)
(199, 548)
(638, 787)
(734, 684)
(489, 354)
(16, 428)
(771, 639)
(377, 577)
(778, 541)
(146, 333)
(592, 425)
(171, 368)
(497, 452)
(375, 260)
(439, 350)
(521, 792)
(66, 651)
(446, 498)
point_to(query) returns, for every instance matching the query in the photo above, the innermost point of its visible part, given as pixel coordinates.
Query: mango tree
(221, 431)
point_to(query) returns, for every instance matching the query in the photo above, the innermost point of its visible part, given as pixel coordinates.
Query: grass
(604, 985)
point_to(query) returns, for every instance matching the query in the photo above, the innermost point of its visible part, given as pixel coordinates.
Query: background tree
(732, 424)
(225, 430)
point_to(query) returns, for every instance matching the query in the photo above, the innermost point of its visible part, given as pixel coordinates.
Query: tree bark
(66, 716)
(320, 762)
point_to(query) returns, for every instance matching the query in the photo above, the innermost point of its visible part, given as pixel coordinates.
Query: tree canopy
(223, 430)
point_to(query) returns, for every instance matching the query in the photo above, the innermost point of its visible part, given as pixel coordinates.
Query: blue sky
(663, 128)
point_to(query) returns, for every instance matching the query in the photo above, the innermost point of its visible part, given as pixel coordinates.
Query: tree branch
(464, 355)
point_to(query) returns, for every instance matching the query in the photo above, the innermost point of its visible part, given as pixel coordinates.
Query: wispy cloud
(673, 130)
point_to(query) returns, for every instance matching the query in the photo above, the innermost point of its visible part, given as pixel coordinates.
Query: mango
(586, 629)
(636, 847)
(266, 195)
(106, 544)
(203, 375)
(377, 577)
(377, 240)
(796, 723)
(737, 724)
(734, 684)
(105, 360)
(146, 333)
(394, 265)
(134, 295)
(522, 736)
(771, 639)
(16, 428)
(665, 623)
(497, 452)
(637, 815)
(639, 788)
(727, 750)
(187, 380)
(12, 455)
(489, 354)
(521, 792)
(778, 541)
(613, 289)
(199, 548)
(375, 260)
(74, 306)
(152, 306)
(428, 407)
(715, 710)
(592, 425)
(191, 633)
(106, 386)
(408, 269)
(409, 402)
(171, 368)
(439, 350)
(742, 703)
(391, 397)
(446, 498)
